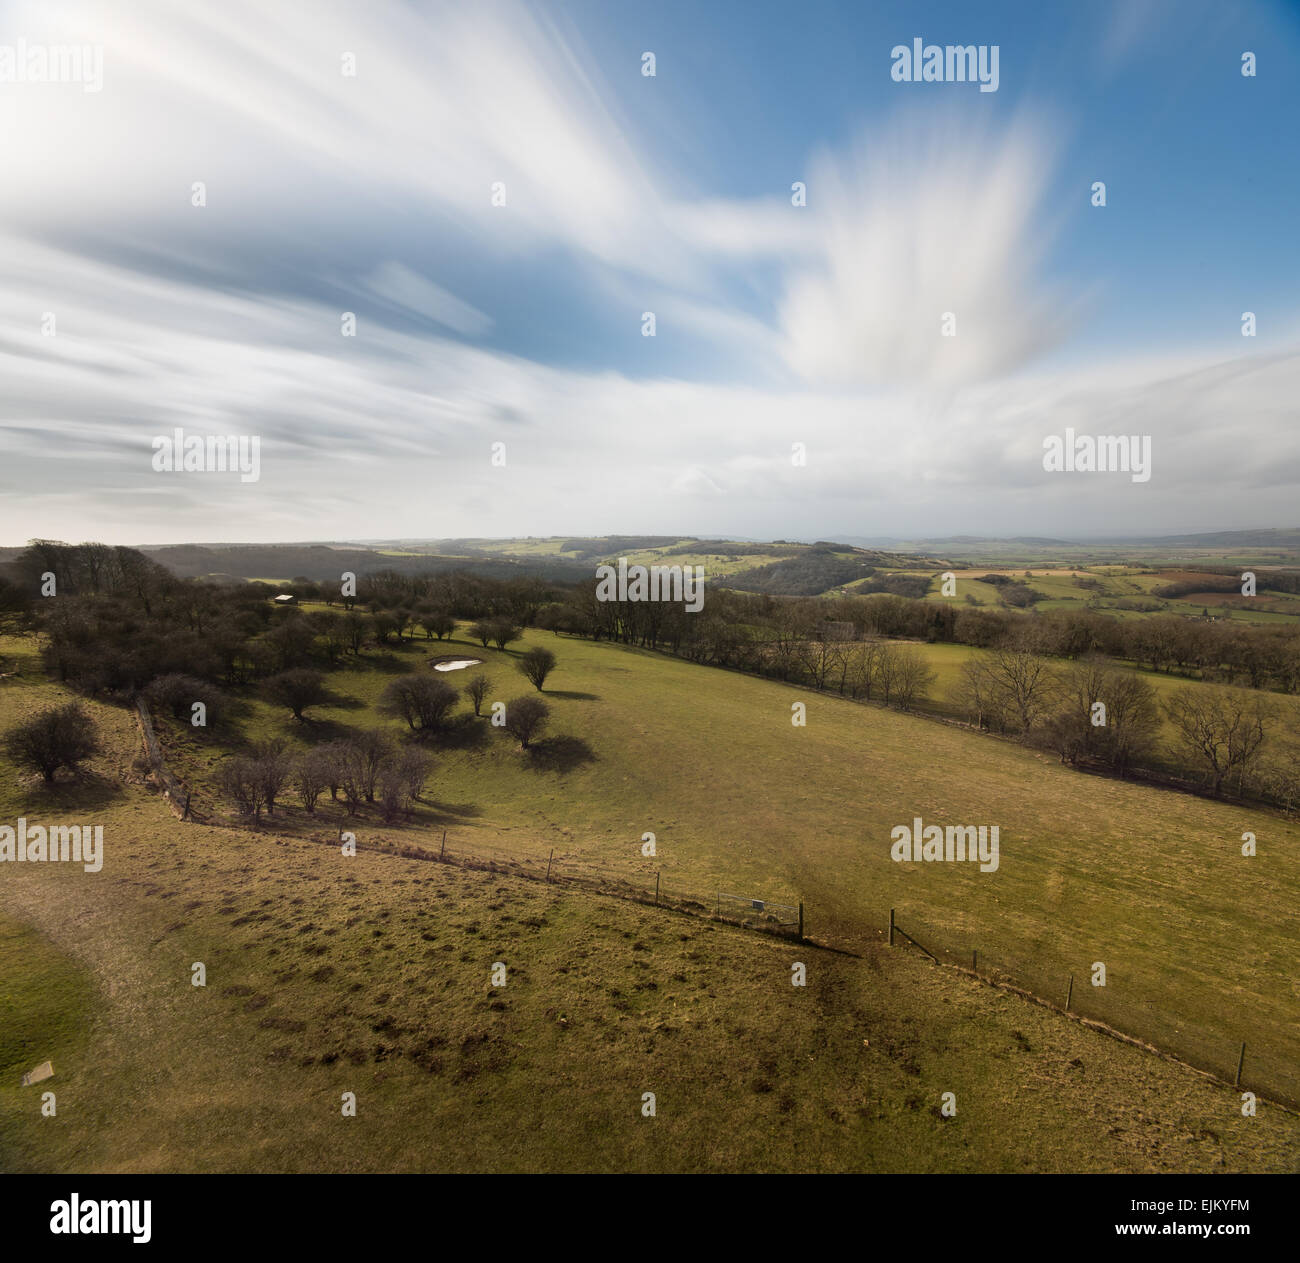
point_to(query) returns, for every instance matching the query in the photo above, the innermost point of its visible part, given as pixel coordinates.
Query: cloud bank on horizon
(499, 195)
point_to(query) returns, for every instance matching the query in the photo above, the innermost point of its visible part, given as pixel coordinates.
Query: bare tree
(437, 623)
(54, 739)
(1132, 720)
(332, 756)
(414, 766)
(310, 775)
(422, 701)
(504, 631)
(1072, 730)
(1014, 686)
(356, 627)
(274, 765)
(911, 676)
(526, 717)
(373, 749)
(975, 694)
(297, 689)
(1279, 778)
(394, 791)
(477, 690)
(820, 657)
(1221, 729)
(240, 780)
(863, 667)
(536, 665)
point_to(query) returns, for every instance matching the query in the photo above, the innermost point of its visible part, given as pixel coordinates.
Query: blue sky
(521, 323)
(1202, 166)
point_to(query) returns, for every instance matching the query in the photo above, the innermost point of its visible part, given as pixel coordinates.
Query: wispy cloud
(328, 193)
(927, 219)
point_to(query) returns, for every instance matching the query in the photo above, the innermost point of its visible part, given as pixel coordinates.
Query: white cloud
(406, 289)
(924, 219)
(389, 434)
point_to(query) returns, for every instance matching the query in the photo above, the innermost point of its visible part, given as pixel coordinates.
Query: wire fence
(1258, 1061)
(1264, 1064)
(785, 920)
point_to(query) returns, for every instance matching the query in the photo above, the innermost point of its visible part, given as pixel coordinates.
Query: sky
(498, 193)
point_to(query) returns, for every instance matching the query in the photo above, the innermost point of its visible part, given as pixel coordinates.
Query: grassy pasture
(46, 1004)
(1148, 880)
(1059, 591)
(371, 974)
(946, 660)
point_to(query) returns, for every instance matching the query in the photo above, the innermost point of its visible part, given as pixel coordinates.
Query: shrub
(414, 767)
(504, 631)
(297, 690)
(537, 664)
(437, 623)
(477, 690)
(58, 738)
(240, 781)
(310, 775)
(395, 791)
(273, 764)
(526, 718)
(423, 702)
(176, 694)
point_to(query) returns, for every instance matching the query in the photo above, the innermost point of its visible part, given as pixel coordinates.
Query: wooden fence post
(1241, 1057)
(891, 927)
(801, 921)
(1069, 993)
(443, 850)
(548, 864)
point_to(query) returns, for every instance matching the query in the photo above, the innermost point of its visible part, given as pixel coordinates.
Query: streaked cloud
(777, 324)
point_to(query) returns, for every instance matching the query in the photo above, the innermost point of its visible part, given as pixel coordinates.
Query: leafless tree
(1221, 729)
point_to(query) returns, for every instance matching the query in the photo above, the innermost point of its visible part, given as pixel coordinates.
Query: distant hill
(794, 569)
(1271, 537)
(325, 562)
(779, 567)
(815, 569)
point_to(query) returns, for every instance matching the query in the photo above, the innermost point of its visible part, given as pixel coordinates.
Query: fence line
(177, 796)
(778, 919)
(994, 975)
(747, 912)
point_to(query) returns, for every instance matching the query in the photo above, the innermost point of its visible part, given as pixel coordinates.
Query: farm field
(1059, 590)
(742, 801)
(946, 660)
(731, 559)
(372, 975)
(707, 761)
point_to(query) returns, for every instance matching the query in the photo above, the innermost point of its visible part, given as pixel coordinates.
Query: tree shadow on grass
(82, 790)
(388, 662)
(464, 732)
(579, 697)
(338, 701)
(319, 731)
(439, 813)
(559, 754)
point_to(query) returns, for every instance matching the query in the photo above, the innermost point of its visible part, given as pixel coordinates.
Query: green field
(46, 1002)
(371, 974)
(1059, 589)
